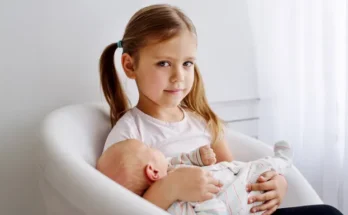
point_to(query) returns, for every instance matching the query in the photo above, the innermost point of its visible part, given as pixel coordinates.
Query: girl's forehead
(184, 45)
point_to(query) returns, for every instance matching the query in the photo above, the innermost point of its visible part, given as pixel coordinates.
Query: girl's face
(165, 71)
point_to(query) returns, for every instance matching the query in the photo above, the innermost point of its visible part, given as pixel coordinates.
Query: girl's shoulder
(126, 122)
(125, 128)
(127, 118)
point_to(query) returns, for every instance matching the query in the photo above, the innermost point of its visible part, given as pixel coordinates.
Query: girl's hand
(207, 155)
(193, 184)
(275, 187)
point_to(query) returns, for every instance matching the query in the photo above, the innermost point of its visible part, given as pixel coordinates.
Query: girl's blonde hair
(155, 23)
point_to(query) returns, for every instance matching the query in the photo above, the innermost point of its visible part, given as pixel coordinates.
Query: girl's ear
(128, 65)
(151, 173)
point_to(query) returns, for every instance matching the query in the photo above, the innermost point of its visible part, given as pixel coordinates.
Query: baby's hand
(207, 155)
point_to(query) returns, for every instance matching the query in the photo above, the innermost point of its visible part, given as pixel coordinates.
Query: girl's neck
(173, 114)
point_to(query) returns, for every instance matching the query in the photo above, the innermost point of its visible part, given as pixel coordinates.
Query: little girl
(172, 114)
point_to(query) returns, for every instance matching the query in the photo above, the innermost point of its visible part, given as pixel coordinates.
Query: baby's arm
(191, 158)
(203, 156)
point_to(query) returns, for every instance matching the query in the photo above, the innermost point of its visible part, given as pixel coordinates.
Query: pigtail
(111, 85)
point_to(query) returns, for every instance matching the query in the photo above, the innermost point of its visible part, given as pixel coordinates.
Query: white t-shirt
(171, 138)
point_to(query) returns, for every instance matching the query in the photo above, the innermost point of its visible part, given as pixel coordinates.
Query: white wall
(49, 54)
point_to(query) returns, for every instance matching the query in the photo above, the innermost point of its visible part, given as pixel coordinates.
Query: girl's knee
(328, 209)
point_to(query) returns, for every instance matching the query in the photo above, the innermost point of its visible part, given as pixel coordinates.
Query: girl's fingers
(213, 189)
(266, 206)
(265, 186)
(271, 211)
(263, 197)
(214, 182)
(266, 176)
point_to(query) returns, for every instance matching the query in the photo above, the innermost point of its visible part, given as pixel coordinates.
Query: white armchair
(72, 140)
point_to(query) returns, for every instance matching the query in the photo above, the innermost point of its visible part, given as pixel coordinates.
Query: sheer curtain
(300, 48)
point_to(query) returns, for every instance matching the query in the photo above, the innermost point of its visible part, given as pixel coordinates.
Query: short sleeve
(222, 133)
(124, 129)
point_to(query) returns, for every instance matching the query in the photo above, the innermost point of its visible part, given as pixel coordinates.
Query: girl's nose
(178, 75)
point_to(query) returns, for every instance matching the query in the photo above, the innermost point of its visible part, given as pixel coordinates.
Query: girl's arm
(222, 151)
(273, 185)
(190, 184)
(160, 194)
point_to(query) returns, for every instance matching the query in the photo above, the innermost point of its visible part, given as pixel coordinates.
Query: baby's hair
(153, 24)
(121, 164)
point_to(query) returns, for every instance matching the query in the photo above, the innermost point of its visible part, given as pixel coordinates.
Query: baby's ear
(151, 172)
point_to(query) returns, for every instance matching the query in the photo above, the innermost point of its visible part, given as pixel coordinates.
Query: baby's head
(133, 165)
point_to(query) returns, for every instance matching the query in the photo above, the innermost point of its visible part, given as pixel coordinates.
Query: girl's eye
(163, 64)
(188, 63)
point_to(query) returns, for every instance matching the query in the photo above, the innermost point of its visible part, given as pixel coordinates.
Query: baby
(136, 166)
